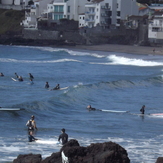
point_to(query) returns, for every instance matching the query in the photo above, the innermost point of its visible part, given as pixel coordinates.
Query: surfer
(1, 74)
(56, 87)
(31, 81)
(63, 137)
(142, 110)
(46, 85)
(31, 137)
(89, 107)
(20, 78)
(31, 76)
(16, 75)
(31, 124)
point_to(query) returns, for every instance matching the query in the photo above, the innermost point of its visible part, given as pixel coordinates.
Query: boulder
(72, 152)
(28, 158)
(159, 160)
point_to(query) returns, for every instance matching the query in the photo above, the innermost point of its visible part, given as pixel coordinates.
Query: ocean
(104, 80)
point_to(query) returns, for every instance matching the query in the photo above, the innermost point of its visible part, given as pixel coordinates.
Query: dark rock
(107, 152)
(159, 160)
(54, 158)
(28, 158)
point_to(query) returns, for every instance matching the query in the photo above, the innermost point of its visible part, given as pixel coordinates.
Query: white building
(69, 9)
(35, 12)
(109, 12)
(155, 28)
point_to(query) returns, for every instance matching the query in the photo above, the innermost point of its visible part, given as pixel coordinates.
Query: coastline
(120, 48)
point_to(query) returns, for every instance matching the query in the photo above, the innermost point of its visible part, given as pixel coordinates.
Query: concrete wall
(40, 34)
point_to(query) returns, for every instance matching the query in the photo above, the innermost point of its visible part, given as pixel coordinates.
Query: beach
(122, 48)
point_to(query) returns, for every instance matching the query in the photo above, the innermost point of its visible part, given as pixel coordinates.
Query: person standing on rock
(63, 137)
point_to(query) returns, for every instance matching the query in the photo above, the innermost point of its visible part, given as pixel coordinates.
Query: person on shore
(1, 74)
(63, 137)
(31, 137)
(89, 107)
(16, 75)
(142, 110)
(31, 76)
(46, 85)
(20, 78)
(31, 124)
(56, 87)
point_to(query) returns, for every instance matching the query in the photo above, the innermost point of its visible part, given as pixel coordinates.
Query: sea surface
(105, 80)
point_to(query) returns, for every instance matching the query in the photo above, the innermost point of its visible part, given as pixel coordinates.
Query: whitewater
(105, 80)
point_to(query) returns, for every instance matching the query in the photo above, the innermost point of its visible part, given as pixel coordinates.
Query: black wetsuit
(31, 76)
(64, 138)
(46, 85)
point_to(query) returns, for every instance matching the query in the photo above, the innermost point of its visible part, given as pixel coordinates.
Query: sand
(122, 49)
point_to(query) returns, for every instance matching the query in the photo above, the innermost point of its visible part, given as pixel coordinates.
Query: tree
(30, 2)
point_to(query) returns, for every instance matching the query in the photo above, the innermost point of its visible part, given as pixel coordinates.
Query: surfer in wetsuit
(142, 110)
(20, 78)
(16, 75)
(31, 124)
(89, 107)
(1, 74)
(56, 87)
(46, 85)
(31, 76)
(63, 137)
(31, 137)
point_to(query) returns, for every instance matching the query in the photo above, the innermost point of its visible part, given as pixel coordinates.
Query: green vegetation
(10, 20)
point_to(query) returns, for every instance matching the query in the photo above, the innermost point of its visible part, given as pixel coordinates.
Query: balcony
(90, 20)
(90, 13)
(104, 15)
(105, 7)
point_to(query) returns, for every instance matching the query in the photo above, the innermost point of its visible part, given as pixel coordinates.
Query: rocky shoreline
(72, 152)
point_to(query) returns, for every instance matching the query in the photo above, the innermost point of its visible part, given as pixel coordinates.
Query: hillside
(10, 21)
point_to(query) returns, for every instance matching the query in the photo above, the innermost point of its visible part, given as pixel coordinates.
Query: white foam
(30, 61)
(119, 60)
(71, 52)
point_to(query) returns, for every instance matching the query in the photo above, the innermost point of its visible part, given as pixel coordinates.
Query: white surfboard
(11, 109)
(115, 111)
(63, 88)
(58, 89)
(14, 79)
(157, 114)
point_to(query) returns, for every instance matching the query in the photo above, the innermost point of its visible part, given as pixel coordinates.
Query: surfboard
(11, 109)
(63, 88)
(115, 111)
(14, 79)
(58, 89)
(157, 114)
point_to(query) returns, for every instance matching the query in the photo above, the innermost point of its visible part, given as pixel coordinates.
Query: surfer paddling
(56, 87)
(89, 107)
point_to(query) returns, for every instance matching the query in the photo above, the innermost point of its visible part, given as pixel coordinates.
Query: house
(34, 13)
(69, 9)
(109, 13)
(155, 28)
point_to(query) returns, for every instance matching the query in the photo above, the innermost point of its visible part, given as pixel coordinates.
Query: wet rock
(72, 152)
(159, 160)
(28, 158)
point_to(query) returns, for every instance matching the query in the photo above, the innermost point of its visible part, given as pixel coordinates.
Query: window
(118, 13)
(58, 8)
(68, 10)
